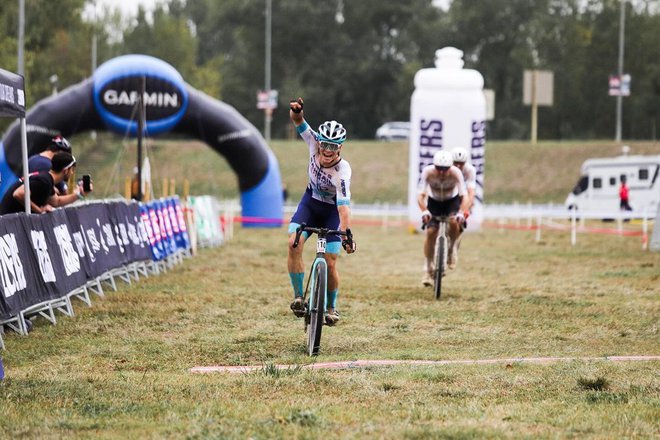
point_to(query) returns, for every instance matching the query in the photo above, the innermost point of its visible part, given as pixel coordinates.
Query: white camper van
(598, 187)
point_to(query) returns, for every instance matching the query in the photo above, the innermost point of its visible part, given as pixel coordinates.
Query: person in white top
(441, 193)
(325, 204)
(460, 156)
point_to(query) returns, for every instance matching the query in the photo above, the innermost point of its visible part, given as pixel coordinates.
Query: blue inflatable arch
(107, 101)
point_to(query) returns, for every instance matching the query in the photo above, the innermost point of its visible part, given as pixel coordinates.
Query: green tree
(350, 60)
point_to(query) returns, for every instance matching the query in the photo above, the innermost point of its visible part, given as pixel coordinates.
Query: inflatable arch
(106, 101)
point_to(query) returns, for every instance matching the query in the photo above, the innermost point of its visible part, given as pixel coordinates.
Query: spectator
(42, 162)
(624, 204)
(42, 188)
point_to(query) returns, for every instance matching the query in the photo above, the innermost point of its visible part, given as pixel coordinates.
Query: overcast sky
(128, 7)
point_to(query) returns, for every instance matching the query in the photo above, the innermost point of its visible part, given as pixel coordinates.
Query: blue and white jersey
(328, 185)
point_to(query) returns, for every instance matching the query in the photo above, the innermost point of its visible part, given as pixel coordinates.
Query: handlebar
(321, 232)
(439, 218)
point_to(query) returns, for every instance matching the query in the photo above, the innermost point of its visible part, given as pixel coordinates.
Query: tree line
(355, 61)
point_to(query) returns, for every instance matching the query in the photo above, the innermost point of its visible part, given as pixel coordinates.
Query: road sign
(267, 99)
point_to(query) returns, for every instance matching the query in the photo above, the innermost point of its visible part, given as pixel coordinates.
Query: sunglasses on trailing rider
(330, 146)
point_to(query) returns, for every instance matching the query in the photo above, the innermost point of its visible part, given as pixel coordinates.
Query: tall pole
(535, 109)
(140, 133)
(94, 40)
(21, 37)
(268, 112)
(619, 98)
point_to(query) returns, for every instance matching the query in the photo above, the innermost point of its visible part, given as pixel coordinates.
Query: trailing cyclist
(441, 193)
(460, 156)
(325, 204)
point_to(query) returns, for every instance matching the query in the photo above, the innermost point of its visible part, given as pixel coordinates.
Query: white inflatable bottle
(447, 110)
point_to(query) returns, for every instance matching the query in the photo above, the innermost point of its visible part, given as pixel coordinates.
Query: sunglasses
(441, 168)
(330, 146)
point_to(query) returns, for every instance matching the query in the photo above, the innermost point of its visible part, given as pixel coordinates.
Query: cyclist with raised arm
(441, 193)
(325, 204)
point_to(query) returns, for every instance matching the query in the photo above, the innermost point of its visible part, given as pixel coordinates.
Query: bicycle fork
(322, 265)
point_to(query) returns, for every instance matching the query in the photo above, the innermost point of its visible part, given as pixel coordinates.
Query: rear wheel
(440, 264)
(316, 312)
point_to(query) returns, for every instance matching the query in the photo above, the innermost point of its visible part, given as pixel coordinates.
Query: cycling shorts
(445, 208)
(317, 214)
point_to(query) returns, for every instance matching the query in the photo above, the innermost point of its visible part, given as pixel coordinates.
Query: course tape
(347, 365)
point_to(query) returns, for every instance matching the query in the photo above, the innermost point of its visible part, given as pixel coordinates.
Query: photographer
(43, 196)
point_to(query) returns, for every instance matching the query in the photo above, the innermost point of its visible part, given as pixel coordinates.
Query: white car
(393, 131)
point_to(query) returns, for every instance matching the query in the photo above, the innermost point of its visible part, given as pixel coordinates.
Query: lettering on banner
(146, 228)
(142, 231)
(92, 243)
(133, 234)
(478, 151)
(109, 236)
(7, 93)
(102, 236)
(158, 232)
(40, 246)
(173, 220)
(11, 268)
(68, 252)
(179, 216)
(79, 240)
(122, 236)
(430, 142)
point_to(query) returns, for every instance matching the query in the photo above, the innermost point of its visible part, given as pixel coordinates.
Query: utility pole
(94, 44)
(619, 98)
(268, 112)
(21, 37)
(140, 134)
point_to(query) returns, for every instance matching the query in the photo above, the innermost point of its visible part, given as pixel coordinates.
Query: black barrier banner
(12, 94)
(44, 257)
(17, 266)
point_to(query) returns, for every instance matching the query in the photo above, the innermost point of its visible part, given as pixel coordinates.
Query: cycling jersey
(328, 185)
(470, 175)
(442, 188)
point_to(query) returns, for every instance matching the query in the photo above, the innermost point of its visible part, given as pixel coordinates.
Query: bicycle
(440, 253)
(318, 276)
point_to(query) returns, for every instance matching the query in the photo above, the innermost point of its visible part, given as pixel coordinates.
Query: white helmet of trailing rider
(332, 131)
(460, 154)
(443, 158)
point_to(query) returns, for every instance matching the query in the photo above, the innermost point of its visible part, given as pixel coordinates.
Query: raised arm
(296, 111)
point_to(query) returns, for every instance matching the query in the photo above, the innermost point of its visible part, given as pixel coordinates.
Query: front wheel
(316, 312)
(440, 265)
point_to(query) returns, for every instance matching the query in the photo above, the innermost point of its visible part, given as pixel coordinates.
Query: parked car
(393, 131)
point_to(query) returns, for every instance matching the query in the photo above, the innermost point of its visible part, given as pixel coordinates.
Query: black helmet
(58, 143)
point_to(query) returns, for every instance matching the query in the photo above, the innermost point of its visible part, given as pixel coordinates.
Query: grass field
(121, 368)
(515, 171)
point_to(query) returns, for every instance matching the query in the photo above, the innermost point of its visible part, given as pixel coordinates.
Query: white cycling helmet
(460, 154)
(443, 158)
(332, 131)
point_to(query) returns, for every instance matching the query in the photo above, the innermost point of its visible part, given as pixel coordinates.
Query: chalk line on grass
(346, 365)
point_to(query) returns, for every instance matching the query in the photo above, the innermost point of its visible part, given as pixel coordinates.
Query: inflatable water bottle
(447, 110)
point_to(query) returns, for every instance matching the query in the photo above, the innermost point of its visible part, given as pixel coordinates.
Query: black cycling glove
(299, 101)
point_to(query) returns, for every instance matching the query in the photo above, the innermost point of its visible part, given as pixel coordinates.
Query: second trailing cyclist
(441, 193)
(325, 204)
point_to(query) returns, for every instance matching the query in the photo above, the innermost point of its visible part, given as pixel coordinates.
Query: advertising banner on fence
(45, 256)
